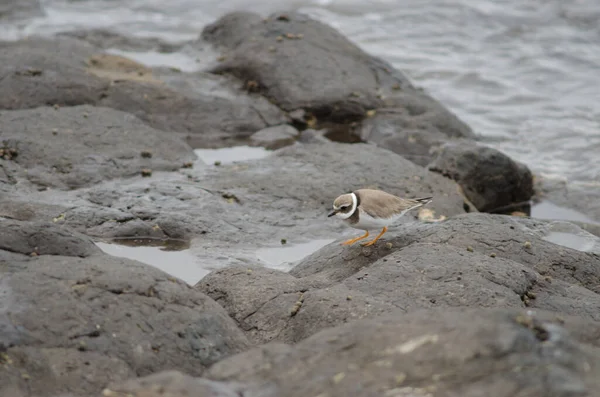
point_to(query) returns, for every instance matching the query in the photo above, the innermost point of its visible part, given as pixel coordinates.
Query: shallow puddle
(172, 257)
(231, 154)
(570, 240)
(176, 60)
(285, 257)
(548, 210)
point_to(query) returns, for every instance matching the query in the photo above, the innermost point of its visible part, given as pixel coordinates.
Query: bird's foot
(353, 240)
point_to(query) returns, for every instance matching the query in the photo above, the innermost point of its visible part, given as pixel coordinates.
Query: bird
(368, 209)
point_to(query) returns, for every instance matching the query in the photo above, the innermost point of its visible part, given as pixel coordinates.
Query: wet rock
(301, 63)
(414, 129)
(65, 71)
(473, 260)
(82, 145)
(41, 238)
(39, 72)
(491, 180)
(20, 9)
(172, 384)
(431, 352)
(274, 138)
(284, 195)
(313, 175)
(518, 239)
(106, 39)
(272, 305)
(72, 325)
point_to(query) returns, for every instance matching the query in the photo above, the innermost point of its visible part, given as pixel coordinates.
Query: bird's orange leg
(368, 243)
(352, 241)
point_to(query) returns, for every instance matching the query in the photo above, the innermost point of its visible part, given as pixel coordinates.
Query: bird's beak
(332, 214)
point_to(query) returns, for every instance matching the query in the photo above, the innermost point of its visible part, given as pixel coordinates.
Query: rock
(65, 71)
(285, 195)
(171, 384)
(271, 305)
(466, 261)
(20, 9)
(41, 238)
(413, 130)
(83, 145)
(301, 63)
(521, 240)
(45, 72)
(491, 180)
(72, 325)
(445, 353)
(274, 138)
(306, 173)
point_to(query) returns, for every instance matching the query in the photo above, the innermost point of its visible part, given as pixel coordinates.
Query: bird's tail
(424, 200)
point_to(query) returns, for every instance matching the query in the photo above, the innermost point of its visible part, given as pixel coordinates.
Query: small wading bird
(368, 209)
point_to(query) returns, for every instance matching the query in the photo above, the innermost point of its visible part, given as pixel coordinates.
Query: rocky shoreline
(467, 297)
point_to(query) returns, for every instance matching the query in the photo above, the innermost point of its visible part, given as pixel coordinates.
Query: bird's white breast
(367, 222)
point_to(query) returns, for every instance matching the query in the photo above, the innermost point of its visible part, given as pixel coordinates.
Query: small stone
(548, 279)
(283, 241)
(371, 113)
(146, 154)
(339, 377)
(86, 115)
(389, 245)
(348, 298)
(188, 164)
(56, 106)
(272, 49)
(251, 85)
(221, 58)
(470, 249)
(493, 255)
(400, 378)
(531, 295)
(146, 172)
(279, 38)
(217, 163)
(527, 244)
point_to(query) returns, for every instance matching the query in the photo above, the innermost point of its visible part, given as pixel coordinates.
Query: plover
(368, 209)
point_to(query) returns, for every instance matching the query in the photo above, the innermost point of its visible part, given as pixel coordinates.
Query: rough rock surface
(274, 138)
(285, 195)
(71, 325)
(445, 353)
(68, 72)
(491, 180)
(82, 145)
(446, 304)
(301, 63)
(19, 9)
(472, 260)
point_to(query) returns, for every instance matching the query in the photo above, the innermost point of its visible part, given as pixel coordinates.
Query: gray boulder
(469, 352)
(83, 145)
(490, 180)
(473, 260)
(301, 63)
(73, 320)
(64, 71)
